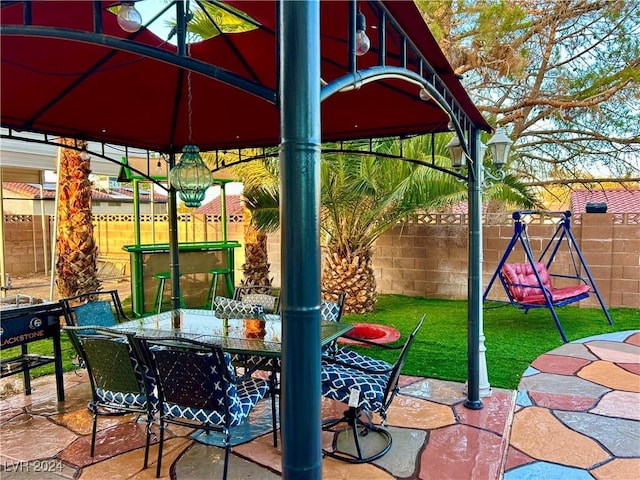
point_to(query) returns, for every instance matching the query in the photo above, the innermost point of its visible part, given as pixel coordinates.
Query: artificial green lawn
(513, 339)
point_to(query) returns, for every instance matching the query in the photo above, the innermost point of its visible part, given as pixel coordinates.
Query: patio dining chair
(198, 388)
(100, 308)
(120, 382)
(332, 305)
(259, 295)
(224, 307)
(367, 385)
(230, 308)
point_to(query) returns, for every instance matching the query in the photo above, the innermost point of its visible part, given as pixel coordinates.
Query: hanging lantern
(455, 151)
(191, 177)
(500, 145)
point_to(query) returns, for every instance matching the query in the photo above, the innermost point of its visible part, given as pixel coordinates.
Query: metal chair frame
(353, 416)
(197, 379)
(243, 290)
(120, 382)
(73, 306)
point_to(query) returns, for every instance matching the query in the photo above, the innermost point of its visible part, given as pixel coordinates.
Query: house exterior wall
(426, 258)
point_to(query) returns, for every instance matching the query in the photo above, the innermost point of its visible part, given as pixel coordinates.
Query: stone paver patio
(575, 415)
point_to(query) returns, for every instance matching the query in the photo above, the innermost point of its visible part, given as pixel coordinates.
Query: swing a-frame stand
(529, 285)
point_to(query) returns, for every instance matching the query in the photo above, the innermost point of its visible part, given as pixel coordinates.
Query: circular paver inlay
(562, 385)
(618, 468)
(538, 470)
(615, 352)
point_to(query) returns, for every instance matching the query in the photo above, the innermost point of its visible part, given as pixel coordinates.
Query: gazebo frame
(299, 97)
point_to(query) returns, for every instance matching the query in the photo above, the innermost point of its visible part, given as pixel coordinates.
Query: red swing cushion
(524, 288)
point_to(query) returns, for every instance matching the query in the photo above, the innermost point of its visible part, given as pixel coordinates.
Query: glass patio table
(250, 336)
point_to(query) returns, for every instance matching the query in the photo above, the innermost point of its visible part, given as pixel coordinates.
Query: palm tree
(363, 196)
(260, 216)
(76, 250)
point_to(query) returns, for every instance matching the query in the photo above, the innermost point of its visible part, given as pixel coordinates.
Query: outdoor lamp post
(191, 177)
(477, 180)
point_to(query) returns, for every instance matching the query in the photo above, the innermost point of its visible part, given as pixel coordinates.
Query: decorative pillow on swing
(524, 287)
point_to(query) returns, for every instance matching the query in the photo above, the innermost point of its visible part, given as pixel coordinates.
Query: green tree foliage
(561, 75)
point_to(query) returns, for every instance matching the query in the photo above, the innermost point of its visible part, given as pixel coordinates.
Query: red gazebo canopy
(64, 76)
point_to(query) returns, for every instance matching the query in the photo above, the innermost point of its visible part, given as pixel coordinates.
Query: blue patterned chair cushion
(329, 311)
(251, 361)
(229, 308)
(194, 388)
(268, 302)
(123, 399)
(242, 399)
(362, 361)
(338, 380)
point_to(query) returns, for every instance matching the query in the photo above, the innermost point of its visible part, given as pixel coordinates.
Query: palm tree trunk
(352, 273)
(256, 266)
(76, 270)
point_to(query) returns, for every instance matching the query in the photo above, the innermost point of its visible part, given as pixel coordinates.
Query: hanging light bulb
(362, 40)
(191, 177)
(129, 18)
(425, 95)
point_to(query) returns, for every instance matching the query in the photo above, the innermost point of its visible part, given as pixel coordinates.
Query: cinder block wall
(612, 253)
(25, 252)
(430, 259)
(115, 231)
(425, 259)
(422, 260)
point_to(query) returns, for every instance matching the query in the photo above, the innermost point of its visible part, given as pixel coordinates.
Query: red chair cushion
(524, 287)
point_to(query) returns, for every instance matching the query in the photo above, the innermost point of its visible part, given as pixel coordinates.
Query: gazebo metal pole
(174, 264)
(136, 211)
(3, 272)
(223, 211)
(475, 273)
(299, 87)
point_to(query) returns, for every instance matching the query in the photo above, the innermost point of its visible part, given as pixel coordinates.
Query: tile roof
(234, 206)
(618, 200)
(121, 194)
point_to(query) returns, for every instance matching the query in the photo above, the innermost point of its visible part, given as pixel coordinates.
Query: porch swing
(529, 285)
